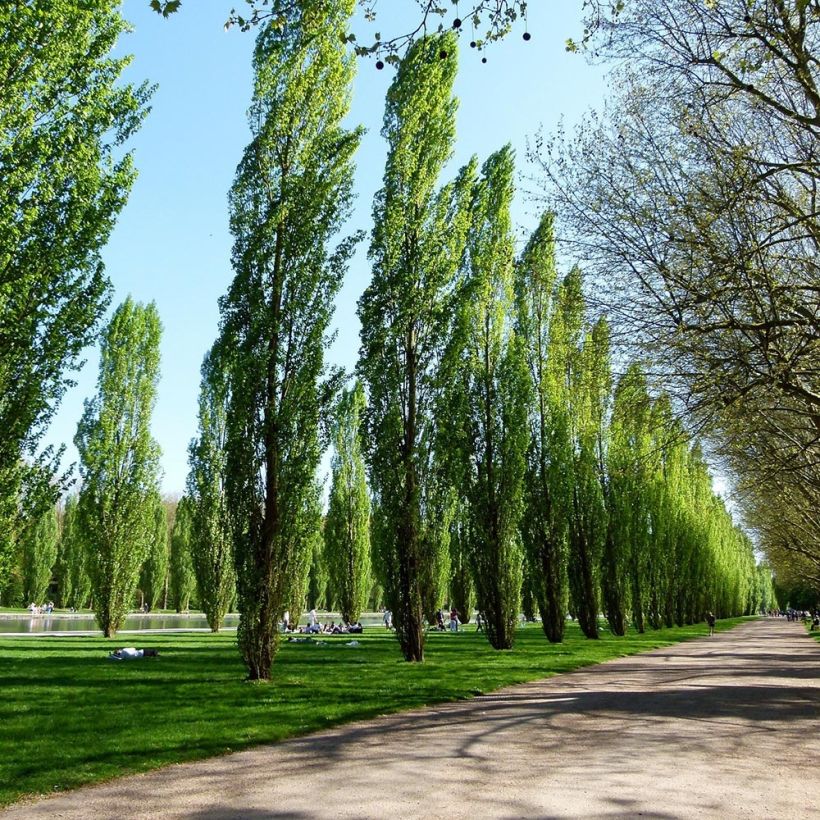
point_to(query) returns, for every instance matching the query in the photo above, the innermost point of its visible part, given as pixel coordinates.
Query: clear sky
(172, 243)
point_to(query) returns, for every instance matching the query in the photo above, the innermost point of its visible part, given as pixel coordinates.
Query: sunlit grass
(69, 716)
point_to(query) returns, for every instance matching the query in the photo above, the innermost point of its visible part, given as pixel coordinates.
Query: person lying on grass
(128, 653)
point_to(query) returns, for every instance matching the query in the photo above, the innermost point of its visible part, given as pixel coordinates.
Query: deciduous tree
(347, 526)
(64, 116)
(119, 460)
(211, 537)
(486, 363)
(181, 576)
(416, 248)
(292, 192)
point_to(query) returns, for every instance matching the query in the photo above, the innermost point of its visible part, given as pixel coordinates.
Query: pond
(61, 623)
(82, 622)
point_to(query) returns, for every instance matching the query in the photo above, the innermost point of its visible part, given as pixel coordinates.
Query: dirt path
(723, 727)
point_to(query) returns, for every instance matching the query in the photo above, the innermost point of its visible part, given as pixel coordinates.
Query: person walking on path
(710, 620)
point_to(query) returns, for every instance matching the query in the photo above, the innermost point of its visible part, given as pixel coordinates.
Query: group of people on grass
(313, 627)
(41, 609)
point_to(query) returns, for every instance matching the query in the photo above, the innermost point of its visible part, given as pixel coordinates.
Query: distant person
(453, 620)
(312, 617)
(479, 622)
(710, 620)
(388, 619)
(440, 620)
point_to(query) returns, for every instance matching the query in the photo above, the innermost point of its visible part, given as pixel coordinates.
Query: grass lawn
(69, 716)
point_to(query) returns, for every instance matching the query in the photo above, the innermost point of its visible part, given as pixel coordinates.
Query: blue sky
(172, 243)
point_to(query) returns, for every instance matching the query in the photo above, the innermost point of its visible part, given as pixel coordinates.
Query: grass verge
(69, 716)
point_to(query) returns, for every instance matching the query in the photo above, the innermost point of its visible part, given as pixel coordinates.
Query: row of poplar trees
(487, 430)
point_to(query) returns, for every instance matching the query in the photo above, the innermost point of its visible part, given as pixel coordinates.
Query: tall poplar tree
(462, 586)
(181, 577)
(119, 460)
(292, 193)
(154, 574)
(629, 477)
(416, 248)
(347, 526)
(211, 538)
(38, 549)
(544, 524)
(486, 363)
(591, 386)
(72, 563)
(64, 116)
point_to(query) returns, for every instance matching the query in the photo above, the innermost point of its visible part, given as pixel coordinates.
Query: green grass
(69, 716)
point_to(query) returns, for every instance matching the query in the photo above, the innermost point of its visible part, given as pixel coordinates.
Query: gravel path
(723, 727)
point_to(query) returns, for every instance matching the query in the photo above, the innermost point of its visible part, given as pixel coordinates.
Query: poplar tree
(211, 538)
(154, 574)
(587, 530)
(307, 539)
(119, 460)
(38, 550)
(487, 365)
(347, 526)
(462, 587)
(72, 564)
(181, 577)
(64, 116)
(544, 523)
(629, 476)
(319, 594)
(416, 248)
(291, 194)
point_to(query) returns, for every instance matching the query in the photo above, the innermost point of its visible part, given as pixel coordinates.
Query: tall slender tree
(292, 192)
(210, 539)
(72, 563)
(119, 460)
(544, 524)
(462, 586)
(587, 530)
(347, 526)
(416, 248)
(154, 574)
(487, 364)
(64, 115)
(629, 476)
(181, 577)
(39, 554)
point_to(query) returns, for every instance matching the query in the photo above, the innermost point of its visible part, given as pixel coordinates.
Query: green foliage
(488, 402)
(416, 248)
(307, 540)
(544, 522)
(291, 195)
(347, 526)
(630, 463)
(73, 580)
(462, 586)
(319, 595)
(38, 552)
(210, 538)
(119, 461)
(590, 388)
(181, 576)
(64, 115)
(154, 575)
